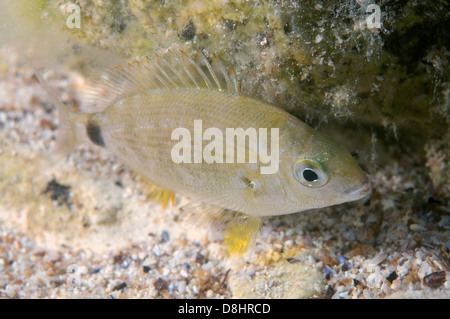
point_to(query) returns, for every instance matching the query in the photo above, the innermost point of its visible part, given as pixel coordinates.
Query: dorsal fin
(171, 70)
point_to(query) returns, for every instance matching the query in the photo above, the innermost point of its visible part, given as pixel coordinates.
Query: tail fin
(66, 139)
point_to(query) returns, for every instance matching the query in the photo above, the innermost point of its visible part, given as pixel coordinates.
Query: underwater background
(381, 90)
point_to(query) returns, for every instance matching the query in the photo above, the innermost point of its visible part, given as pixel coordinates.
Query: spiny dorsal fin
(170, 70)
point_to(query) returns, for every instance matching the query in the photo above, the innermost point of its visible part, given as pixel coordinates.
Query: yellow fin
(158, 194)
(240, 234)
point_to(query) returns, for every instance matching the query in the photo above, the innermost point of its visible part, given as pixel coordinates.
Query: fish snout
(361, 190)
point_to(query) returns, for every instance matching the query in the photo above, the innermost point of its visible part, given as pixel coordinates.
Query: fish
(137, 108)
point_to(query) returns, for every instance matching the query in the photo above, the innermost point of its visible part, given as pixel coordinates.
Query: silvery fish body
(138, 129)
(143, 104)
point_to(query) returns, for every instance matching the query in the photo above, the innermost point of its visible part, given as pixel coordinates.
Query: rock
(280, 280)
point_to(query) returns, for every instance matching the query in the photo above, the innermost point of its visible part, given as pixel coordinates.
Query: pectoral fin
(240, 233)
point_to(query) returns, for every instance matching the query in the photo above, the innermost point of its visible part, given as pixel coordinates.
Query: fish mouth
(359, 191)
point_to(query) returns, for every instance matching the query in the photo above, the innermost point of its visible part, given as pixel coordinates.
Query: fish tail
(67, 137)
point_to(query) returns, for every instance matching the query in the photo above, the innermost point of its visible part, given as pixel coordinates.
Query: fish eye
(310, 174)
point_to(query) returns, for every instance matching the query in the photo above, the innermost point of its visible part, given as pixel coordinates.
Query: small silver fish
(142, 104)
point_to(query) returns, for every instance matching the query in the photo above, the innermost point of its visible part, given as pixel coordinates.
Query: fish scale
(158, 109)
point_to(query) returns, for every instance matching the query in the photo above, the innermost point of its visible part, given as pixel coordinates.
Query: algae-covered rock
(319, 60)
(280, 280)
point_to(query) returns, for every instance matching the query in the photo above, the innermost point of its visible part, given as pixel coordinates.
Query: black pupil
(309, 175)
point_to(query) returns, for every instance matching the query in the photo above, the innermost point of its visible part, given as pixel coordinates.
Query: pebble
(340, 259)
(186, 266)
(435, 279)
(209, 294)
(181, 287)
(164, 236)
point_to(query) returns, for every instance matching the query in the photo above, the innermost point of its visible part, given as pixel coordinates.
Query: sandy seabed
(83, 227)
